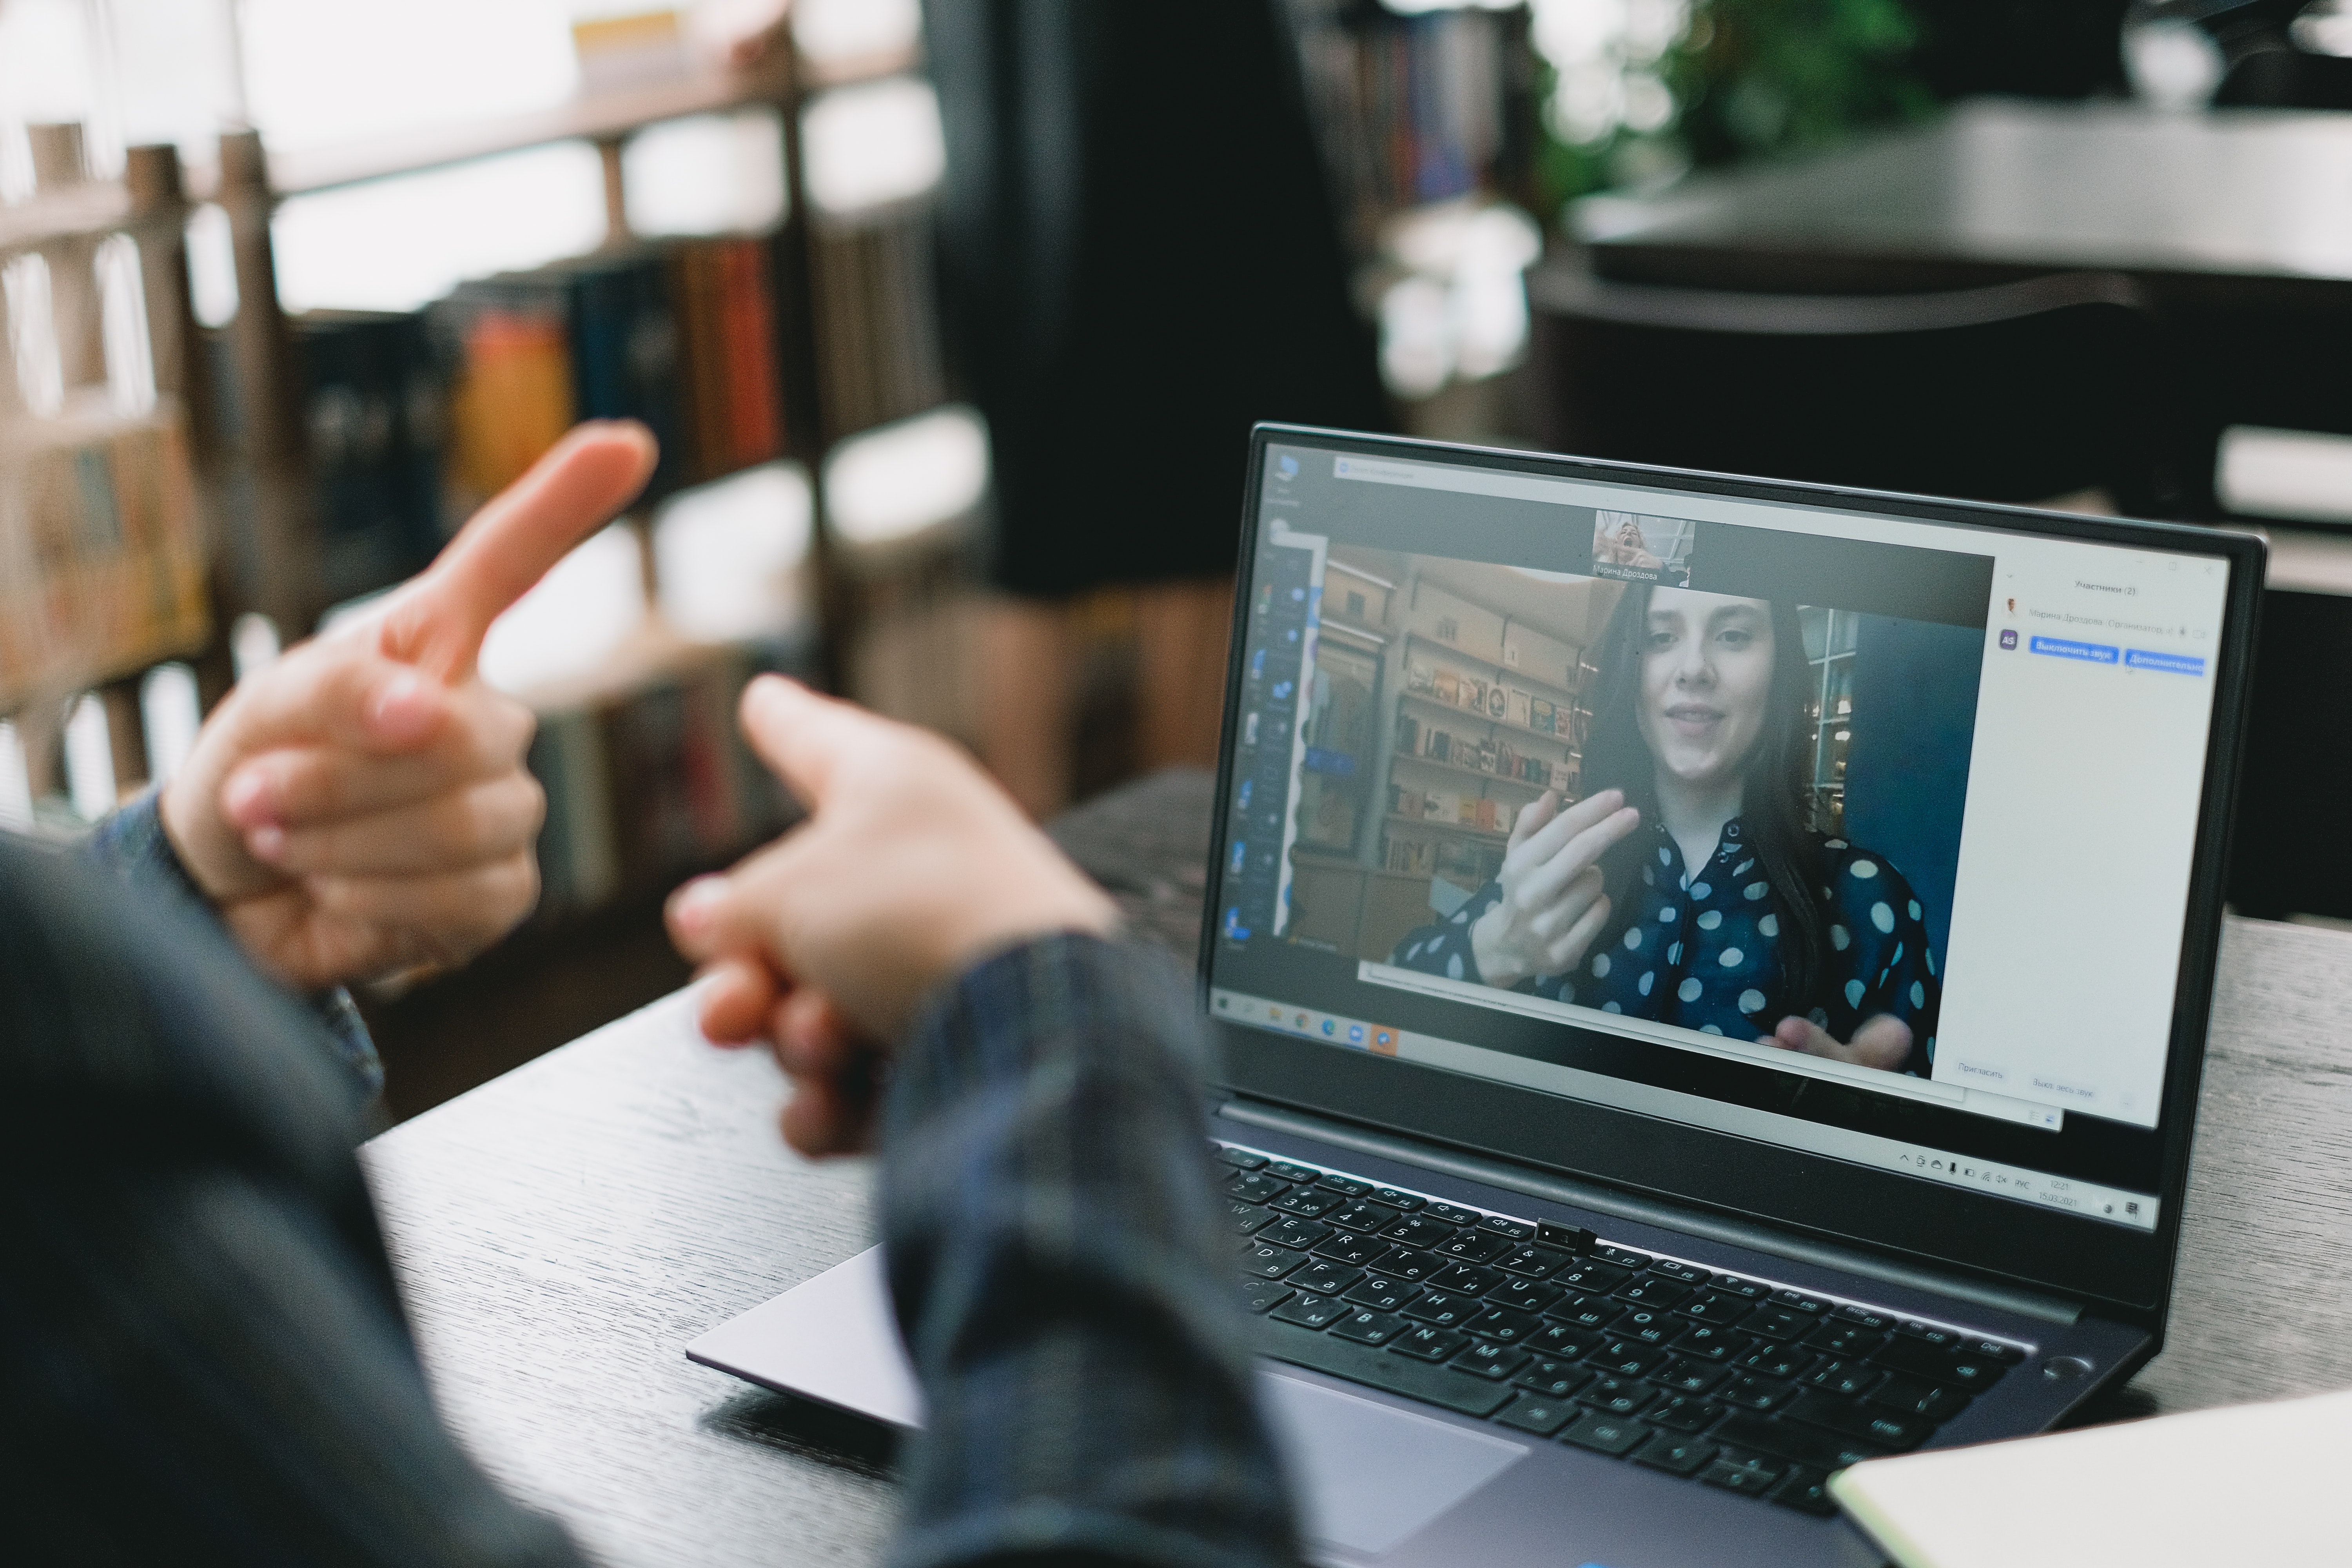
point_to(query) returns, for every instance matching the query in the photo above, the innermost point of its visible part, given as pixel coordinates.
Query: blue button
(2066, 647)
(2175, 663)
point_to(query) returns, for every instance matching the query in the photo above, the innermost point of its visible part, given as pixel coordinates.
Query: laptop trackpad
(1368, 1475)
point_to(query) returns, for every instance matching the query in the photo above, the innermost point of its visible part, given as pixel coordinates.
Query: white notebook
(2250, 1484)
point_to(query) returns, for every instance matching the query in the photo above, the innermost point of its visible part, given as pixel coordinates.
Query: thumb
(506, 547)
(811, 742)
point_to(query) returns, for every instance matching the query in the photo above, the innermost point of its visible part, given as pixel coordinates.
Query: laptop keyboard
(1738, 1382)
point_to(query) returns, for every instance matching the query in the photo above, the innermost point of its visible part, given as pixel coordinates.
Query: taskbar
(2114, 1206)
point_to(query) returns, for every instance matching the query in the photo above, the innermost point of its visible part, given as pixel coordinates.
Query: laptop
(1712, 977)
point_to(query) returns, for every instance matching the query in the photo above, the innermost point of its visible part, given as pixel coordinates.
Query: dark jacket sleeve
(1067, 1299)
(132, 844)
(203, 1358)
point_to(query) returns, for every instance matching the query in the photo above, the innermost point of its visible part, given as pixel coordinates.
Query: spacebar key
(1397, 1375)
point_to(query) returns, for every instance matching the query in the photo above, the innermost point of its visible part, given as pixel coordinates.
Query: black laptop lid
(1904, 931)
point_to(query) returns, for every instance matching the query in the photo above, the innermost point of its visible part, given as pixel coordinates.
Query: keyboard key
(1362, 1216)
(1467, 1278)
(1597, 1277)
(1930, 1334)
(1324, 1278)
(1793, 1440)
(1871, 1424)
(1307, 1201)
(1688, 1376)
(1876, 1322)
(1551, 1378)
(1777, 1323)
(1535, 1262)
(1265, 1295)
(1257, 1187)
(1473, 1247)
(1346, 1186)
(1355, 1251)
(1846, 1379)
(1624, 1258)
(1652, 1291)
(1851, 1340)
(1446, 1308)
(1248, 1219)
(1418, 1230)
(1563, 1340)
(1504, 1326)
(1778, 1360)
(1484, 1358)
(1710, 1341)
(1271, 1262)
(1426, 1343)
(1290, 1173)
(1626, 1358)
(1686, 1273)
(1524, 1295)
(1239, 1159)
(1413, 1268)
(1311, 1311)
(1382, 1368)
(1510, 1230)
(1716, 1307)
(1683, 1412)
(1380, 1293)
(1747, 1289)
(1650, 1327)
(1534, 1414)
(1616, 1395)
(1452, 1214)
(1586, 1311)
(1937, 1366)
(1605, 1434)
(1293, 1232)
(1800, 1301)
(1570, 1238)
(1741, 1478)
(1750, 1392)
(1912, 1397)
(1673, 1453)
(1396, 1198)
(1805, 1490)
(1366, 1327)
(1993, 1350)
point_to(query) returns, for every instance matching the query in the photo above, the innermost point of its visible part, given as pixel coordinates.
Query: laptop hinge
(1648, 1210)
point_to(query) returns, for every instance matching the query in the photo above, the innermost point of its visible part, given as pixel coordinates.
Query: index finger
(509, 545)
(1548, 839)
(810, 741)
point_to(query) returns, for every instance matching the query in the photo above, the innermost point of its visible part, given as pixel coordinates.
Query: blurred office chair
(2020, 392)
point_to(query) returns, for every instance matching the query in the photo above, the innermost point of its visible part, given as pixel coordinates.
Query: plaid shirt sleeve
(1049, 1223)
(132, 844)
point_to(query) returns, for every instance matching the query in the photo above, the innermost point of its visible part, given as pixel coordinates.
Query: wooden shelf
(1454, 828)
(1508, 674)
(1469, 772)
(1476, 717)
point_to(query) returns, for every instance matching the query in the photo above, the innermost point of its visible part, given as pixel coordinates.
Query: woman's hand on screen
(1552, 904)
(1883, 1042)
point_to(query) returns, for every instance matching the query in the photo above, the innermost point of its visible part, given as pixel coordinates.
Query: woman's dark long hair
(1777, 796)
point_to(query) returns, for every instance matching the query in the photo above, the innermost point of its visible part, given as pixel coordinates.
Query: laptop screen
(1866, 837)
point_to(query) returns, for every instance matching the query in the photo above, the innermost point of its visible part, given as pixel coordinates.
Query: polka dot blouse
(1705, 951)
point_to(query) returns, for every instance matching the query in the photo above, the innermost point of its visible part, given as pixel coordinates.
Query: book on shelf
(102, 559)
(877, 341)
(375, 410)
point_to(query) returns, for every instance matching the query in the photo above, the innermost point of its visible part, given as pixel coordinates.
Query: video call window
(1513, 779)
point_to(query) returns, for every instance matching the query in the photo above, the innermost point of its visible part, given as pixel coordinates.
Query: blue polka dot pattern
(1722, 969)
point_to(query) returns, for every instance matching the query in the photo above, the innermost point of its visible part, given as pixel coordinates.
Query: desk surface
(2245, 193)
(562, 1231)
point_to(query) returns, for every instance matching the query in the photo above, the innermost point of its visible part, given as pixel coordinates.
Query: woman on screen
(1688, 887)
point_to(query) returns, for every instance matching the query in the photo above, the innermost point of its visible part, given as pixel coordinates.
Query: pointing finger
(1533, 815)
(813, 743)
(439, 621)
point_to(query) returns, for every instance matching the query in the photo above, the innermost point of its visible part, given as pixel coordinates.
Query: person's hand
(1552, 906)
(911, 867)
(1882, 1042)
(361, 806)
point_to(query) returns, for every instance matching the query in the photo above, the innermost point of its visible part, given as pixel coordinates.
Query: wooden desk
(562, 1231)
